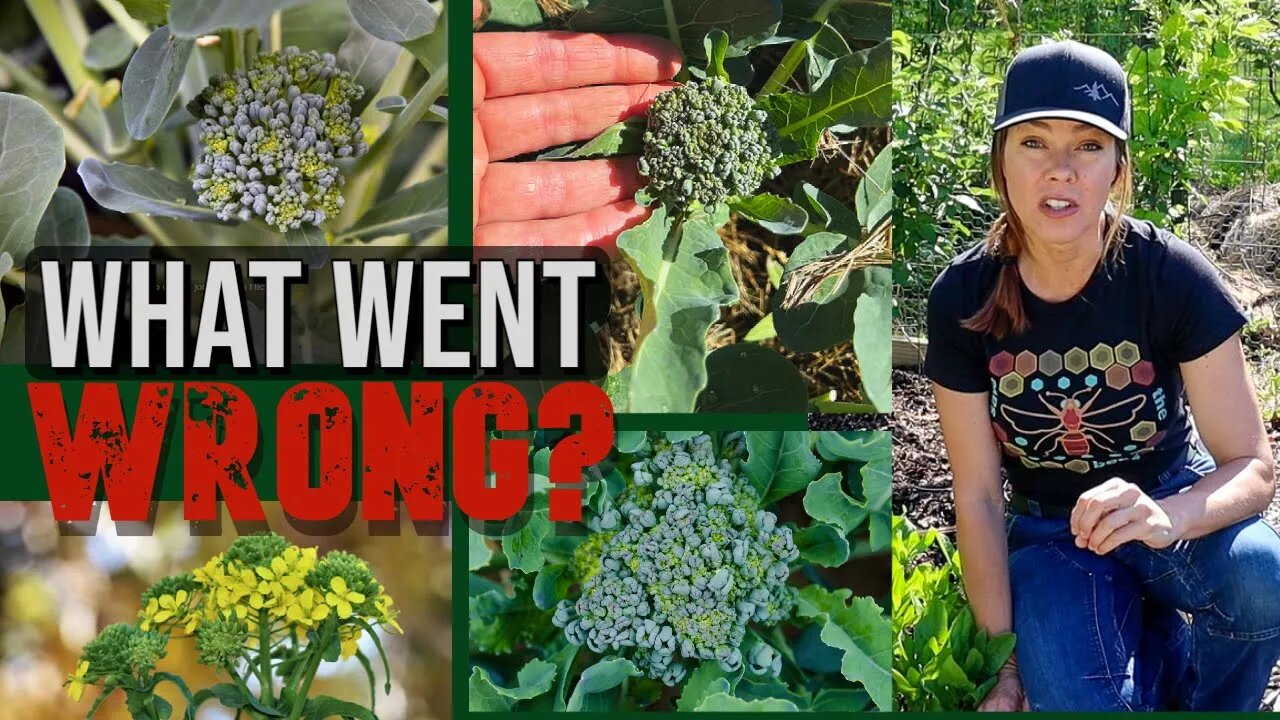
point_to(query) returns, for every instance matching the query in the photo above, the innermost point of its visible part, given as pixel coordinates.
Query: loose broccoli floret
(682, 576)
(706, 142)
(271, 136)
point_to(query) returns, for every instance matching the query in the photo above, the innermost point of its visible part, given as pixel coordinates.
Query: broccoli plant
(710, 573)
(714, 146)
(196, 124)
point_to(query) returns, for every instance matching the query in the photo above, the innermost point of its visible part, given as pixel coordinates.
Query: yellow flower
(169, 606)
(349, 639)
(304, 610)
(387, 614)
(341, 599)
(78, 682)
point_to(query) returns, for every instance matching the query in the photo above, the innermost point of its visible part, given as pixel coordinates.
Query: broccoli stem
(796, 53)
(649, 315)
(63, 28)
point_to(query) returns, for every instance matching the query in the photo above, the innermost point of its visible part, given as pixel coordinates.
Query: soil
(922, 477)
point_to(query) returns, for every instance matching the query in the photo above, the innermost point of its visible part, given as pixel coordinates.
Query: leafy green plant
(706, 576)
(941, 659)
(276, 122)
(836, 287)
(264, 609)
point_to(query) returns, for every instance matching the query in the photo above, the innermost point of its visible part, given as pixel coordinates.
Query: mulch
(922, 478)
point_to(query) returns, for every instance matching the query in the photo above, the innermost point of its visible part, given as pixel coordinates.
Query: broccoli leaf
(706, 679)
(130, 188)
(31, 154)
(776, 384)
(395, 20)
(151, 81)
(423, 206)
(826, 501)
(774, 213)
(621, 138)
(478, 552)
(604, 675)
(857, 627)
(533, 679)
(857, 91)
(192, 18)
(369, 60)
(877, 488)
(685, 277)
(874, 198)
(515, 13)
(873, 336)
(724, 702)
(685, 22)
(629, 441)
(524, 547)
(551, 586)
(109, 47)
(63, 225)
(840, 700)
(779, 463)
(822, 315)
(823, 544)
(859, 446)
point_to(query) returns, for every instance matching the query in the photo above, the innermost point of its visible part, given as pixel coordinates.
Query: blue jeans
(1105, 632)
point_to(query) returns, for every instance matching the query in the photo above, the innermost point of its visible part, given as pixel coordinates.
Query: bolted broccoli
(706, 142)
(271, 136)
(689, 561)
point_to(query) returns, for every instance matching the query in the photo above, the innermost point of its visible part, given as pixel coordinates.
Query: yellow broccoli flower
(342, 599)
(78, 682)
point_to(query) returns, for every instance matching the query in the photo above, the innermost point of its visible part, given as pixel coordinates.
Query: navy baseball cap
(1066, 80)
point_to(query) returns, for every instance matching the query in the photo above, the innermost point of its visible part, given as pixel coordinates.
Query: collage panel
(1085, 357)
(743, 571)
(119, 620)
(731, 159)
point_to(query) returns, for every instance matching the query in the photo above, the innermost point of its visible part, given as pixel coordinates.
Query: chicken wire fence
(1225, 193)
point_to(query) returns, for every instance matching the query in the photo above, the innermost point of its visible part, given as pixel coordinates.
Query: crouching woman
(1071, 349)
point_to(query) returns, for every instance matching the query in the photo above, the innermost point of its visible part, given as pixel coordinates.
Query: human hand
(1007, 694)
(1117, 512)
(535, 90)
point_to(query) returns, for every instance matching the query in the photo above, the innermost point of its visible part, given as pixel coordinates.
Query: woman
(1065, 350)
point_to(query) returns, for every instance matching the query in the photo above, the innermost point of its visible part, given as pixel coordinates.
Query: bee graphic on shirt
(1076, 422)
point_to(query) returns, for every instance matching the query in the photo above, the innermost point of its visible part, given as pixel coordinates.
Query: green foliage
(708, 145)
(683, 576)
(941, 659)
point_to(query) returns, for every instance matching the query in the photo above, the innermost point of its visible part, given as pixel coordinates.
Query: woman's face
(1058, 175)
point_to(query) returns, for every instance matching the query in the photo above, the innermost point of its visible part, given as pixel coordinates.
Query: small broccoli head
(271, 136)
(683, 574)
(706, 142)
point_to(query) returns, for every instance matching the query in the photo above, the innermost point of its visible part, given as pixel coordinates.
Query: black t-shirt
(1093, 389)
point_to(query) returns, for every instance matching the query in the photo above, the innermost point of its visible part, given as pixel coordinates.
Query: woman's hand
(1116, 512)
(535, 90)
(1007, 694)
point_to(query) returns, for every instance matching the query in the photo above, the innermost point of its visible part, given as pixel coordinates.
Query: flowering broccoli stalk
(271, 137)
(706, 142)
(691, 561)
(247, 609)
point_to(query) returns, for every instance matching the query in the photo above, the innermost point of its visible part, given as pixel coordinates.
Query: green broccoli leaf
(826, 501)
(604, 675)
(685, 277)
(534, 678)
(773, 213)
(858, 627)
(873, 336)
(857, 91)
(706, 679)
(151, 81)
(776, 385)
(858, 446)
(478, 552)
(724, 702)
(685, 22)
(524, 547)
(823, 544)
(32, 168)
(779, 463)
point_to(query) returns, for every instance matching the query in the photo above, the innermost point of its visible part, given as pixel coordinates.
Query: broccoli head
(706, 142)
(687, 565)
(271, 136)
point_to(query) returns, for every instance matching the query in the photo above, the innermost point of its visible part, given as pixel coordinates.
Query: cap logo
(1097, 92)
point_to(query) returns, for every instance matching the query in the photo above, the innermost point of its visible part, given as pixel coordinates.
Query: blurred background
(58, 591)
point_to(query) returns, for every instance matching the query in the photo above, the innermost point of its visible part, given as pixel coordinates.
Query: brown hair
(1003, 313)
